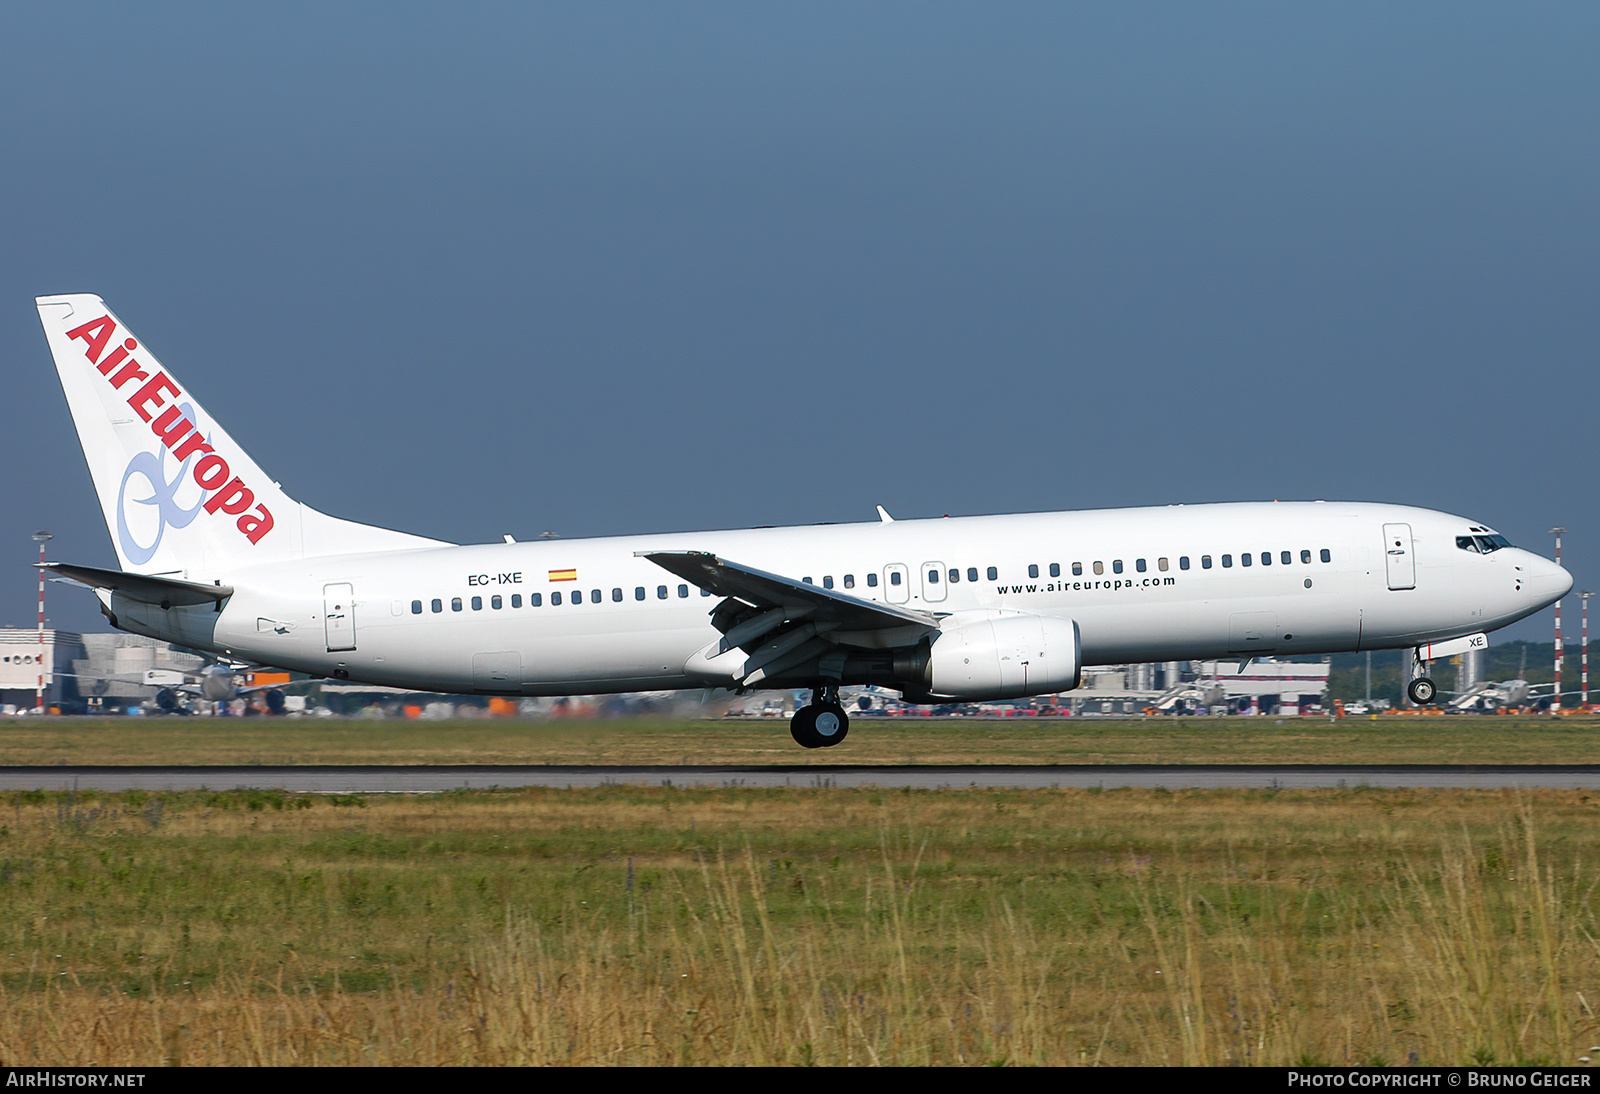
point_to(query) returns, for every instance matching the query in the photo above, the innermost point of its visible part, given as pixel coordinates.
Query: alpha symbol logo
(163, 497)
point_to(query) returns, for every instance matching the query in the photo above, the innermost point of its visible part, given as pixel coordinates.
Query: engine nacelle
(1004, 655)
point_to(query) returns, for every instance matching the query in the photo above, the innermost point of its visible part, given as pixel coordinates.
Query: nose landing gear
(822, 723)
(1421, 690)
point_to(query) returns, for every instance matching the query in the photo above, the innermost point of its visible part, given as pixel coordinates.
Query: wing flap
(763, 590)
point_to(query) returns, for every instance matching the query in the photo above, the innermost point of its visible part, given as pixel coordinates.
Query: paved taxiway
(419, 779)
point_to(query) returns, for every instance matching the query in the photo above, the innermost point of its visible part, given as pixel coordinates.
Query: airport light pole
(1583, 660)
(1555, 700)
(41, 537)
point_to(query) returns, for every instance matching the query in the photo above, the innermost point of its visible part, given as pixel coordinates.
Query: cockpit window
(1482, 545)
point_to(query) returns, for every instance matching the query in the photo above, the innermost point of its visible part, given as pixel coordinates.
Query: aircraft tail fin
(179, 495)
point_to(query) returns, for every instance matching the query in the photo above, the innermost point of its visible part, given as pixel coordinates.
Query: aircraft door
(1398, 557)
(339, 615)
(896, 583)
(933, 582)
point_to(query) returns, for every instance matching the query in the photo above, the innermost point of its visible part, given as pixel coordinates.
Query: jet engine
(1003, 655)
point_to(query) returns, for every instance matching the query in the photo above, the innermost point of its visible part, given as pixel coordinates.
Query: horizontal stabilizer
(164, 591)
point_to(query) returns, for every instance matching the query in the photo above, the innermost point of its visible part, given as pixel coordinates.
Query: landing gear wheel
(819, 725)
(1422, 691)
(832, 723)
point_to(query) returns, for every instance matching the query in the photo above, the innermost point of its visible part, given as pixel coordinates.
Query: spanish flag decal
(563, 575)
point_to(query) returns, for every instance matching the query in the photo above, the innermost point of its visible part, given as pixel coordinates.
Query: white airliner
(215, 556)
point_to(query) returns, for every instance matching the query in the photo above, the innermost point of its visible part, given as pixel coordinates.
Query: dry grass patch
(662, 926)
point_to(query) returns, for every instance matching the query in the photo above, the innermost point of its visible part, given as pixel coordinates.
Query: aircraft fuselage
(1152, 584)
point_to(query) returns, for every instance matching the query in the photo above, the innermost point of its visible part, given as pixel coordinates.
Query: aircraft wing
(763, 590)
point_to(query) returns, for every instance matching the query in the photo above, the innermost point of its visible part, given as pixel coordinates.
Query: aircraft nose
(1546, 582)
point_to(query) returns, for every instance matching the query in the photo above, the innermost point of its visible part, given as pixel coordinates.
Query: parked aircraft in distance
(215, 556)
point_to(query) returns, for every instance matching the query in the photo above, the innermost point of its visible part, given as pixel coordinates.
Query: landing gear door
(339, 613)
(1398, 557)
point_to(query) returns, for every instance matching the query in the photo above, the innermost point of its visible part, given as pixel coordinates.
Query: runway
(434, 779)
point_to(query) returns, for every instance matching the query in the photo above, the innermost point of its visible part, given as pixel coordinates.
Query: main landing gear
(822, 723)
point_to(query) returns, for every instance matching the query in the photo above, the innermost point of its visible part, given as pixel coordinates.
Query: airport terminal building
(28, 664)
(84, 673)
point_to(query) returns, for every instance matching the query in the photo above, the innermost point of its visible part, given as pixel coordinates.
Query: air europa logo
(226, 492)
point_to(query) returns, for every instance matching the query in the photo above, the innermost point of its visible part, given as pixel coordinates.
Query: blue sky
(602, 268)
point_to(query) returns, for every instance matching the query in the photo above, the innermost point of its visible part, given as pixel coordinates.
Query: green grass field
(630, 925)
(1393, 739)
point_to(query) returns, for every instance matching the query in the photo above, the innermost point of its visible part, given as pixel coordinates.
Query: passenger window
(1161, 564)
(1205, 562)
(1183, 562)
(638, 592)
(955, 575)
(661, 592)
(1116, 566)
(849, 581)
(808, 581)
(1305, 556)
(683, 592)
(993, 573)
(1326, 556)
(616, 596)
(972, 573)
(537, 599)
(455, 604)
(1055, 569)
(1077, 569)
(827, 581)
(1286, 557)
(496, 603)
(1266, 558)
(1244, 559)
(1099, 568)
(1033, 570)
(933, 577)
(872, 581)
(416, 607)
(437, 605)
(894, 577)
(594, 596)
(1138, 564)
(705, 592)
(516, 600)
(1227, 562)
(555, 598)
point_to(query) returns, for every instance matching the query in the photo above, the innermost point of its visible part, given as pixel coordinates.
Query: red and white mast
(1555, 700)
(40, 537)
